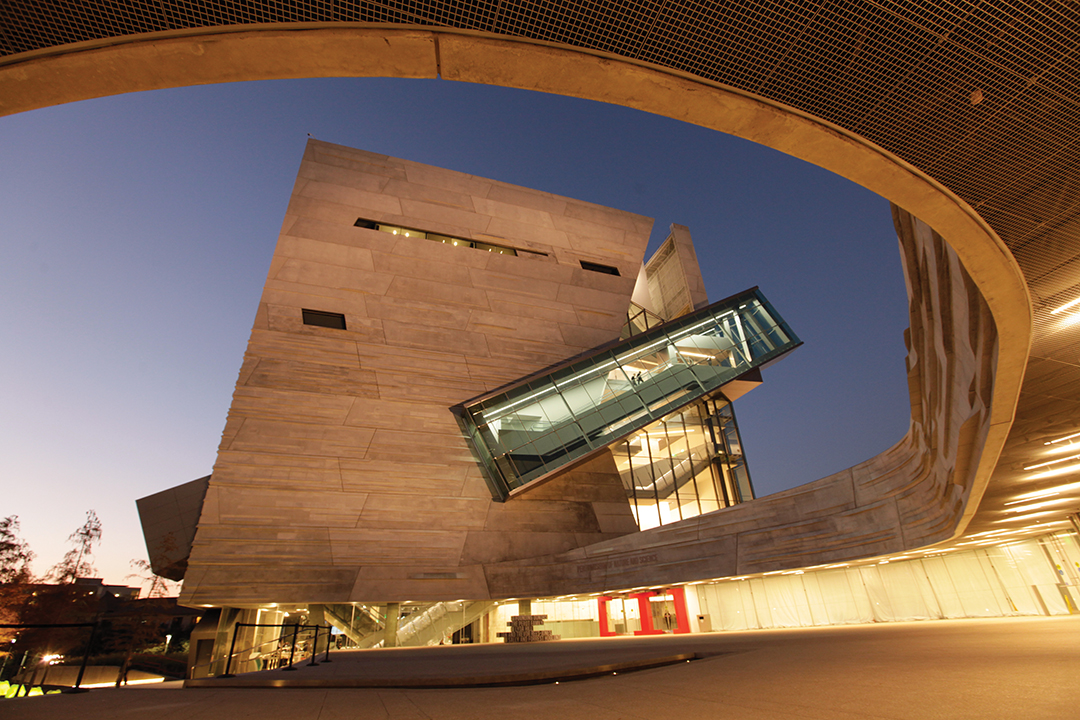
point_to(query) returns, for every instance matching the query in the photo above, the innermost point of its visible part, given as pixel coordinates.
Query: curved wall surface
(910, 496)
(966, 119)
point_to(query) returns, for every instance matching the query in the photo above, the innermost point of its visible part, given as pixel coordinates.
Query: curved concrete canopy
(207, 55)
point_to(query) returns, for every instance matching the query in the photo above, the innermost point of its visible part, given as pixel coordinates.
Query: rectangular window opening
(319, 318)
(448, 240)
(597, 267)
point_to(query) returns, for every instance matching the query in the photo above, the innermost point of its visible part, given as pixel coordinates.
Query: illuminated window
(455, 242)
(685, 464)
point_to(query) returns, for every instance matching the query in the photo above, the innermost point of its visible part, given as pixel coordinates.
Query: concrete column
(316, 615)
(390, 627)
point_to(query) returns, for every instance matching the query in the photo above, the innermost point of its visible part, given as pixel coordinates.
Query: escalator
(538, 425)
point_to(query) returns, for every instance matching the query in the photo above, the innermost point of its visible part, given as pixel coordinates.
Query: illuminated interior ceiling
(982, 97)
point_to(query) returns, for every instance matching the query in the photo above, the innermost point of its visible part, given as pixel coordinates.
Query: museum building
(464, 400)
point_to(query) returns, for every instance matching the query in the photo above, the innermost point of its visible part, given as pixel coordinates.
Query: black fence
(40, 661)
(38, 658)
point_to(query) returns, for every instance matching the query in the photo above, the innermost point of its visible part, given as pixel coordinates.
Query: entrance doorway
(654, 612)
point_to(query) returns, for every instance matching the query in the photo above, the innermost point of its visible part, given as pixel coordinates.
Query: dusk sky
(136, 233)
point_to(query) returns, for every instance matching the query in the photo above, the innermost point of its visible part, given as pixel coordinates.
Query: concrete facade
(169, 519)
(342, 475)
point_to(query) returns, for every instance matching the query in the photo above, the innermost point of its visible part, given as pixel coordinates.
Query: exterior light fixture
(1067, 447)
(1052, 462)
(1025, 517)
(1066, 306)
(1056, 471)
(1037, 505)
(1048, 492)
(1070, 320)
(1060, 439)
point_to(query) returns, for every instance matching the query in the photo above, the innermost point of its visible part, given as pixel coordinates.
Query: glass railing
(538, 425)
(638, 320)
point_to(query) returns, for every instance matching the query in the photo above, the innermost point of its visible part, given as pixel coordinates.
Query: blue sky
(136, 233)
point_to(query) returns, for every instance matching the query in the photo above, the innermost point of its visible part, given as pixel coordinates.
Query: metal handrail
(292, 649)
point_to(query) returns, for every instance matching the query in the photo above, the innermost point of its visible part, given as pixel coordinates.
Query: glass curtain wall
(544, 422)
(1039, 576)
(1031, 576)
(688, 463)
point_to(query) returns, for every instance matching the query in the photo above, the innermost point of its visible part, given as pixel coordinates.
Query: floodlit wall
(1036, 576)
(342, 475)
(1033, 577)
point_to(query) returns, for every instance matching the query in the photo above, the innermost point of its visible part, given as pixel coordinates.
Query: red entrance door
(671, 598)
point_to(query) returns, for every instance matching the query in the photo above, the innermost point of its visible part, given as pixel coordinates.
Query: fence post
(329, 642)
(232, 647)
(86, 655)
(314, 647)
(292, 650)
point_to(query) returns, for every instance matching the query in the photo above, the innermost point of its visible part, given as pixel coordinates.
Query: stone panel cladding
(675, 284)
(168, 520)
(910, 496)
(342, 475)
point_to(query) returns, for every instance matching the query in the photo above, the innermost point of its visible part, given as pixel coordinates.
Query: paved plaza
(953, 669)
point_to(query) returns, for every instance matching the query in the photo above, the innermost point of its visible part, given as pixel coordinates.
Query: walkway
(953, 669)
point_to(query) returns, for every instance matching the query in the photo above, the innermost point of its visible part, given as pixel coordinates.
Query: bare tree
(77, 561)
(15, 554)
(15, 557)
(159, 587)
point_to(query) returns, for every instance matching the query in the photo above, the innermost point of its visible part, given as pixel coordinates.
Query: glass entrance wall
(540, 424)
(622, 617)
(685, 464)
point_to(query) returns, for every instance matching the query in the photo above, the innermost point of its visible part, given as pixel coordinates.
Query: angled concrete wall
(673, 276)
(342, 475)
(168, 520)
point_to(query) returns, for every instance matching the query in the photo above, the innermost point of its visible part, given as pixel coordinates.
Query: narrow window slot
(319, 318)
(597, 267)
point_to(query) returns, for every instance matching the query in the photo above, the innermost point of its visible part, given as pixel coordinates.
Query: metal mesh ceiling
(984, 96)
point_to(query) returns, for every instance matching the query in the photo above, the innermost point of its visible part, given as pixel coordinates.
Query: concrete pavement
(1025, 668)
